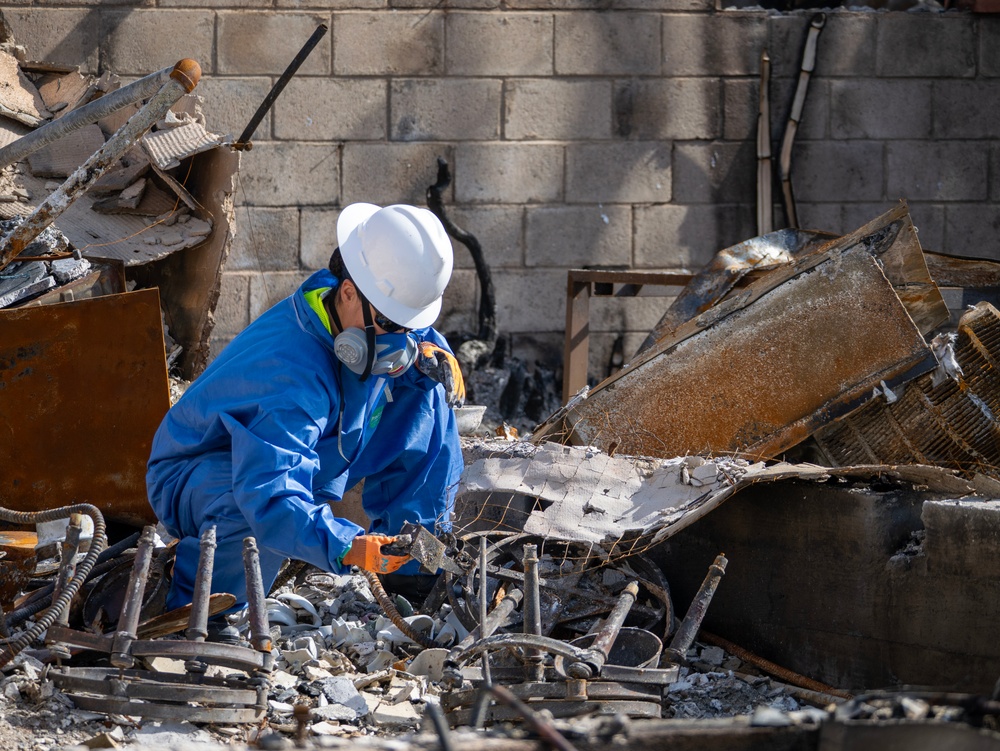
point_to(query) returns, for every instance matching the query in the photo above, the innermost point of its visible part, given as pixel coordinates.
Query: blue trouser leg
(228, 573)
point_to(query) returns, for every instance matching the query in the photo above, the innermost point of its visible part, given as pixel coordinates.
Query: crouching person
(315, 395)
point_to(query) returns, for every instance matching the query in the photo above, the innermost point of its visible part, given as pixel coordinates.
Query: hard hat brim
(350, 220)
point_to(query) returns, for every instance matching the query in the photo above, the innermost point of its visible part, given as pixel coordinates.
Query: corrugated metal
(953, 424)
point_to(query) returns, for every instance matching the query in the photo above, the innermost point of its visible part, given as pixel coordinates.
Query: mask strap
(366, 313)
(331, 309)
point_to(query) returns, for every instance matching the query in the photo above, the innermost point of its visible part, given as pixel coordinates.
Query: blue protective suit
(275, 428)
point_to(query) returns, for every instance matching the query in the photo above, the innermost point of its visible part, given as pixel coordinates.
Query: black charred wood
(487, 298)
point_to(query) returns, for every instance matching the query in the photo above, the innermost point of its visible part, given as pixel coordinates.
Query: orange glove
(441, 366)
(366, 552)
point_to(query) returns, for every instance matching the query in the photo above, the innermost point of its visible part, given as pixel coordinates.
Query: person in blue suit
(315, 395)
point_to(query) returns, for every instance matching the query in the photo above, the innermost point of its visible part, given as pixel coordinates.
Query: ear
(348, 291)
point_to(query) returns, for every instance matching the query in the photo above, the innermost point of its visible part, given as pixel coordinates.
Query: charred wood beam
(487, 298)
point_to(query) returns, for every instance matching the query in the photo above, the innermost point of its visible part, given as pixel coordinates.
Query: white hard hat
(400, 258)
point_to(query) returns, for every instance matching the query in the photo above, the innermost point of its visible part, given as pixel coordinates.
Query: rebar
(606, 636)
(386, 603)
(688, 629)
(534, 668)
(128, 621)
(260, 633)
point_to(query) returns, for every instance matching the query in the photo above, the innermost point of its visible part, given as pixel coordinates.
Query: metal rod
(128, 621)
(197, 629)
(67, 566)
(260, 634)
(606, 636)
(183, 78)
(243, 142)
(765, 222)
(483, 615)
(795, 117)
(440, 725)
(88, 113)
(534, 668)
(688, 629)
(548, 733)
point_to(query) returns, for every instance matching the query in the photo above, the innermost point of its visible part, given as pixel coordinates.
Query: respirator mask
(393, 354)
(367, 353)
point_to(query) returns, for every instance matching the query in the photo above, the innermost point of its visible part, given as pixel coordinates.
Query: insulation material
(166, 148)
(625, 503)
(763, 370)
(948, 417)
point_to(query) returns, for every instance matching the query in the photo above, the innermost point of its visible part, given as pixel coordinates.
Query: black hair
(337, 267)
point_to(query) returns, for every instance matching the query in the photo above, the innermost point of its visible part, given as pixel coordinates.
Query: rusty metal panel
(83, 387)
(952, 424)
(763, 370)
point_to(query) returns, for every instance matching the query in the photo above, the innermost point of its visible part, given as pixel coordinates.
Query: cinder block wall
(603, 134)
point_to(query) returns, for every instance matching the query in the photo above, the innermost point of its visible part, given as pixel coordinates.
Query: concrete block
(282, 174)
(846, 45)
(635, 314)
(740, 106)
(873, 108)
(994, 172)
(972, 230)
(685, 238)
(936, 171)
(823, 217)
(460, 307)
(499, 230)
(332, 109)
(557, 109)
(966, 109)
(232, 312)
(205, 3)
(385, 173)
(573, 236)
(726, 44)
(528, 299)
(330, 4)
(445, 109)
(256, 42)
(661, 5)
(926, 45)
(607, 44)
(989, 46)
(715, 172)
(508, 173)
(928, 221)
(318, 229)
(457, 4)
(268, 240)
(396, 43)
(62, 36)
(668, 108)
(217, 343)
(138, 42)
(266, 290)
(498, 44)
(229, 103)
(962, 537)
(838, 171)
(632, 172)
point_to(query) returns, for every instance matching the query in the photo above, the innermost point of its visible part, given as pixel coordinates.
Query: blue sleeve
(413, 463)
(274, 462)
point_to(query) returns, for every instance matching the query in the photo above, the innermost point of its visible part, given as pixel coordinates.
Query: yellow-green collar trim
(315, 299)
